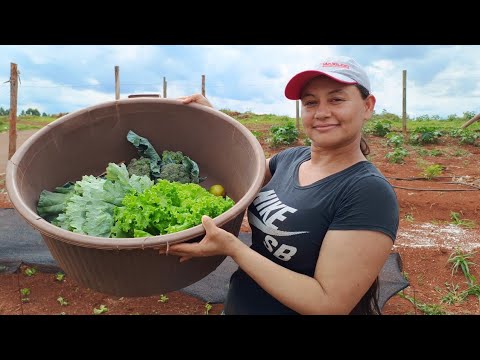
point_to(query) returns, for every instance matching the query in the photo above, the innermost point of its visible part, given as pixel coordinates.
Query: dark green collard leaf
(145, 149)
(50, 204)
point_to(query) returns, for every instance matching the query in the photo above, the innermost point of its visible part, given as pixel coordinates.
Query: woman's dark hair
(368, 305)
(363, 143)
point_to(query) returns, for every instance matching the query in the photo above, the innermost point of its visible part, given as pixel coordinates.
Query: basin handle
(143, 95)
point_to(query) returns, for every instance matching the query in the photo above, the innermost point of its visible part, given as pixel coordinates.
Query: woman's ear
(369, 106)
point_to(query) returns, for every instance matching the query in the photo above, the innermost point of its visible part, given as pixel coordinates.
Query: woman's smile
(325, 127)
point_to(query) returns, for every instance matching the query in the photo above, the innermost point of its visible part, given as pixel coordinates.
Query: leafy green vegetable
(90, 205)
(157, 163)
(51, 204)
(145, 149)
(165, 208)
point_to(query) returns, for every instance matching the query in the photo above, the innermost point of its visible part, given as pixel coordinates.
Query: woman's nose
(322, 110)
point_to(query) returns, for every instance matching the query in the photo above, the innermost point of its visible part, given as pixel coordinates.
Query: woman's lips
(324, 128)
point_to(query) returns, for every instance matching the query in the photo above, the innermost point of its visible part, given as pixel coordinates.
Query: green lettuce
(89, 205)
(166, 207)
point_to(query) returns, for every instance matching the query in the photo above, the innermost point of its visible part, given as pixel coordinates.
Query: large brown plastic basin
(85, 141)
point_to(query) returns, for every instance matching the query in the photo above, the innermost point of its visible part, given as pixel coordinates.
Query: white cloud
(441, 80)
(92, 81)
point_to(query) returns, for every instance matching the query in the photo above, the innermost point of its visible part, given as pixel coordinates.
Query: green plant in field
(460, 153)
(425, 135)
(208, 307)
(163, 299)
(380, 128)
(432, 171)
(397, 156)
(453, 296)
(455, 132)
(457, 220)
(59, 276)
(25, 292)
(284, 134)
(473, 290)
(422, 152)
(425, 152)
(409, 217)
(461, 260)
(436, 152)
(394, 140)
(469, 137)
(30, 271)
(62, 301)
(427, 309)
(102, 309)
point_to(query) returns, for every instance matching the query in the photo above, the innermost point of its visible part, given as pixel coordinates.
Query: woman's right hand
(195, 98)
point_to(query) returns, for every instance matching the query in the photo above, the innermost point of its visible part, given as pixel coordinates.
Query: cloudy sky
(441, 79)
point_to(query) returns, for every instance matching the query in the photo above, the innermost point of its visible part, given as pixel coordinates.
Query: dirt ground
(429, 234)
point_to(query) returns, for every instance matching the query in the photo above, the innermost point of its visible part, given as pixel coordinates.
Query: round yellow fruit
(217, 190)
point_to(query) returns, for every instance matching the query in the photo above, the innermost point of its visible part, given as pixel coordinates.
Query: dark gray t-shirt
(289, 221)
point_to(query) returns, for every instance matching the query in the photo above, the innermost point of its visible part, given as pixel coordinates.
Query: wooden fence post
(404, 113)
(12, 135)
(117, 83)
(471, 121)
(203, 85)
(164, 87)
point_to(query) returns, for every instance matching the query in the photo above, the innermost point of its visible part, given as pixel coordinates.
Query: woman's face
(333, 113)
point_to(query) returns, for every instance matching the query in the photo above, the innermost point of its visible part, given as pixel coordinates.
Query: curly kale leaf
(145, 149)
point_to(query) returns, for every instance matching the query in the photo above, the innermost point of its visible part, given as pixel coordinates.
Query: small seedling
(431, 171)
(30, 271)
(62, 301)
(59, 276)
(409, 217)
(453, 296)
(427, 309)
(208, 307)
(102, 309)
(163, 299)
(457, 220)
(462, 261)
(25, 292)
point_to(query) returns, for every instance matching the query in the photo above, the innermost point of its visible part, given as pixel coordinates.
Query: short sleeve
(369, 204)
(276, 159)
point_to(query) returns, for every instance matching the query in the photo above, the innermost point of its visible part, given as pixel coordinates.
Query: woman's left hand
(216, 242)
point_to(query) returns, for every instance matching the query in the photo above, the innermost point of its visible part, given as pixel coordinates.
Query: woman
(324, 223)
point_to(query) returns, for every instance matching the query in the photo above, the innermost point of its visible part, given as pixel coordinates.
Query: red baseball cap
(340, 68)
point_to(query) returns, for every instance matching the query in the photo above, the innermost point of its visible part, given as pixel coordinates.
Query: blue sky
(441, 79)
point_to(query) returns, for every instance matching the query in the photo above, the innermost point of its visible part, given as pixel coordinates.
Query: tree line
(29, 111)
